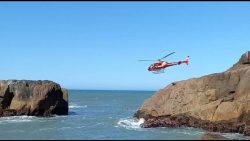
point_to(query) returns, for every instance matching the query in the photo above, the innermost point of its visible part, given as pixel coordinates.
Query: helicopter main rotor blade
(147, 60)
(167, 55)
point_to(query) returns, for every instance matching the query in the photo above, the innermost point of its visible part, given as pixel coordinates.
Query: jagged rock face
(32, 98)
(220, 97)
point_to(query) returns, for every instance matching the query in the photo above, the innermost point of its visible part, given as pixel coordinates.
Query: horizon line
(108, 90)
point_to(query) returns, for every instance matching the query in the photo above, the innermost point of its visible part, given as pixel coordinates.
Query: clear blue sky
(97, 45)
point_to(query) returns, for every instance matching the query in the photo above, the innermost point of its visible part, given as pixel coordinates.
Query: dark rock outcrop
(32, 98)
(217, 102)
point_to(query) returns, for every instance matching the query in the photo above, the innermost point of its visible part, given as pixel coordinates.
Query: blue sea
(97, 115)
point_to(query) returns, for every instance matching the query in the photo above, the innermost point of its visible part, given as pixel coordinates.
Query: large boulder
(32, 98)
(216, 102)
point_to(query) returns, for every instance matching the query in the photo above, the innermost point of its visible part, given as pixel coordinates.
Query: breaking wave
(129, 123)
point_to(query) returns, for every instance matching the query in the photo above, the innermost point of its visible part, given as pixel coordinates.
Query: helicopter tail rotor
(187, 60)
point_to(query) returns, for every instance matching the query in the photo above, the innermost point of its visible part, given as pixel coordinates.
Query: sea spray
(130, 123)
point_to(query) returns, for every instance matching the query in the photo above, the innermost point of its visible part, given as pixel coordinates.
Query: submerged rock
(32, 98)
(217, 102)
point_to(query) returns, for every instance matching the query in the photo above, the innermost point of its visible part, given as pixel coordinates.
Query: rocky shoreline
(218, 102)
(32, 98)
(182, 120)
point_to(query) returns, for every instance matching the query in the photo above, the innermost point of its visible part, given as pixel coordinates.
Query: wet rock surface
(32, 98)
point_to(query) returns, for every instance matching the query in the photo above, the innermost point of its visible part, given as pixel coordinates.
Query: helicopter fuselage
(158, 66)
(161, 65)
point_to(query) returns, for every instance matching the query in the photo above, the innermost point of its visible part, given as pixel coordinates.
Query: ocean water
(97, 115)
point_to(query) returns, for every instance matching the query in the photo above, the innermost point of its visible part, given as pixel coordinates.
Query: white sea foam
(16, 131)
(234, 136)
(193, 131)
(189, 132)
(178, 130)
(14, 119)
(64, 128)
(74, 106)
(81, 126)
(45, 129)
(129, 123)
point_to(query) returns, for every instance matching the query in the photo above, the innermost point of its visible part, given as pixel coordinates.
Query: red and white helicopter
(160, 65)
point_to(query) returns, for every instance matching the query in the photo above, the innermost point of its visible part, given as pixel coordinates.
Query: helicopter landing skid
(158, 71)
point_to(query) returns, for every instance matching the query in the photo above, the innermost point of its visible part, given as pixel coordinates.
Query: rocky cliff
(32, 98)
(217, 102)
